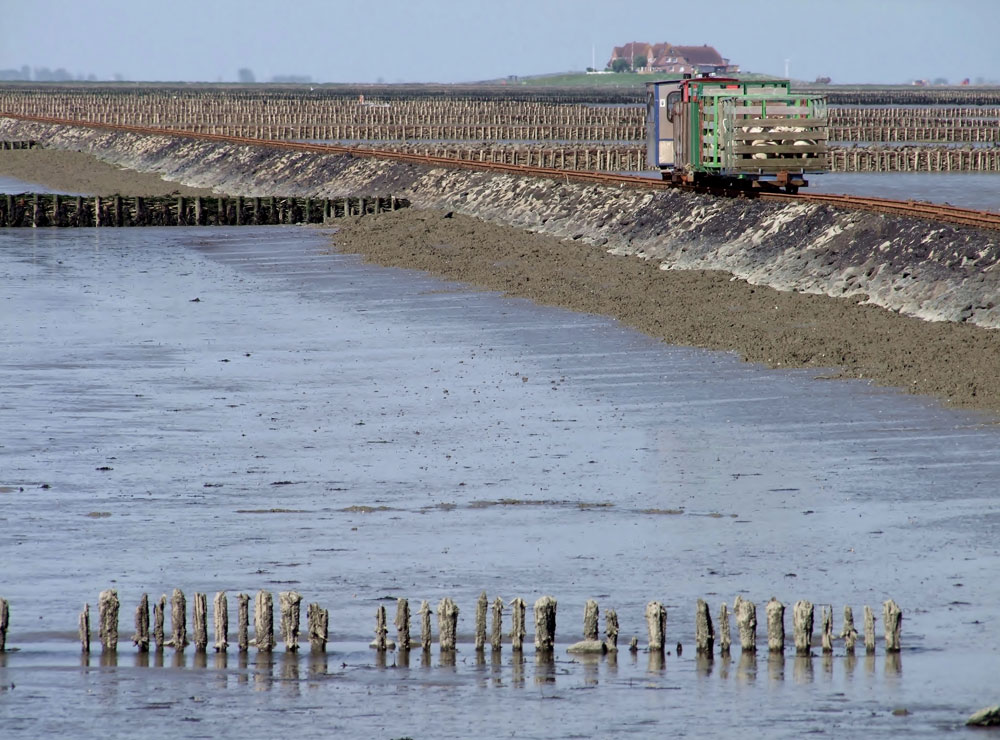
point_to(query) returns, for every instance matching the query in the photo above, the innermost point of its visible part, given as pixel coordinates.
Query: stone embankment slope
(911, 266)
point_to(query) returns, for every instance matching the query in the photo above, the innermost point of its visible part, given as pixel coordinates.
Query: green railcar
(748, 134)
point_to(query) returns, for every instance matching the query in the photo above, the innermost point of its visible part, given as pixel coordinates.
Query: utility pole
(787, 64)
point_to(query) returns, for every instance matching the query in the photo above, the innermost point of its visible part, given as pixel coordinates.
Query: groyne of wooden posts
(711, 637)
(47, 209)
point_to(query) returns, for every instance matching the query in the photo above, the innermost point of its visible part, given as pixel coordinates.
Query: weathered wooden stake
(319, 622)
(263, 621)
(892, 622)
(199, 615)
(84, 630)
(591, 642)
(725, 635)
(802, 626)
(381, 630)
(178, 619)
(656, 625)
(746, 620)
(141, 637)
(848, 632)
(290, 612)
(243, 622)
(425, 625)
(869, 631)
(704, 633)
(775, 611)
(482, 605)
(159, 608)
(611, 630)
(220, 621)
(402, 623)
(4, 623)
(517, 628)
(447, 624)
(826, 638)
(107, 607)
(545, 624)
(496, 628)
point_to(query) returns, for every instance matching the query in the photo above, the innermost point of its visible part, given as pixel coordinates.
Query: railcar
(736, 134)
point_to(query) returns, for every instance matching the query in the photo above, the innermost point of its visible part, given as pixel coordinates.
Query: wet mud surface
(241, 409)
(958, 363)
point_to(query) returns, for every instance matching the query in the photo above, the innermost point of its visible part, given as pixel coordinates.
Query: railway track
(916, 209)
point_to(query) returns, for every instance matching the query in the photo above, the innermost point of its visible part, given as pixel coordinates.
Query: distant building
(669, 59)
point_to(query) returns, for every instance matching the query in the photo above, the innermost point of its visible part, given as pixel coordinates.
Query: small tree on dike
(619, 65)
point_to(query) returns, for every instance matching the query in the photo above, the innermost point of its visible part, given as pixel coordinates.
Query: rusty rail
(916, 209)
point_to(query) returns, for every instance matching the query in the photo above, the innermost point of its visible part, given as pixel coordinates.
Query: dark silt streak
(314, 424)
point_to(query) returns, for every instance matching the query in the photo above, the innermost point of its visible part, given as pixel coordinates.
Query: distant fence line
(47, 209)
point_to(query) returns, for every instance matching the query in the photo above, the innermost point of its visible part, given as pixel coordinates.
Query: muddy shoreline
(958, 363)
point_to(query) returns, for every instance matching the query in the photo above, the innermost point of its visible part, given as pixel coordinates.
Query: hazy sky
(465, 40)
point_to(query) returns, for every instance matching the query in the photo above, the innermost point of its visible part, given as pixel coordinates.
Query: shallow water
(358, 434)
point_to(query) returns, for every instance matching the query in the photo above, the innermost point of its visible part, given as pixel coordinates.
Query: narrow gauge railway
(918, 209)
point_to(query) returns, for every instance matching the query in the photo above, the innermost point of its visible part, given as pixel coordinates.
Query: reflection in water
(109, 659)
(425, 658)
(893, 665)
(850, 661)
(870, 664)
(142, 659)
(318, 664)
(85, 659)
(221, 661)
(179, 660)
(158, 659)
(802, 669)
(656, 661)
(380, 658)
(200, 659)
(724, 663)
(747, 670)
(262, 674)
(704, 664)
(518, 664)
(612, 662)
(290, 667)
(403, 658)
(776, 667)
(496, 664)
(827, 665)
(590, 665)
(447, 659)
(244, 661)
(545, 667)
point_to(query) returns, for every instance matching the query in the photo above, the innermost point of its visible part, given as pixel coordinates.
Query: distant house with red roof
(669, 59)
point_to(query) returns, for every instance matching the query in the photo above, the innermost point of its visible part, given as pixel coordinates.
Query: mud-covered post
(290, 602)
(848, 632)
(141, 637)
(107, 607)
(402, 623)
(159, 619)
(482, 606)
(425, 625)
(611, 630)
(319, 623)
(243, 622)
(496, 627)
(591, 619)
(381, 643)
(178, 619)
(545, 624)
(517, 627)
(746, 621)
(869, 631)
(892, 622)
(4, 623)
(591, 642)
(447, 614)
(704, 633)
(199, 615)
(775, 612)
(263, 621)
(220, 621)
(725, 634)
(826, 637)
(84, 629)
(656, 625)
(802, 626)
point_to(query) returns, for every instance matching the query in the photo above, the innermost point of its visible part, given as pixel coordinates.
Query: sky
(850, 41)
